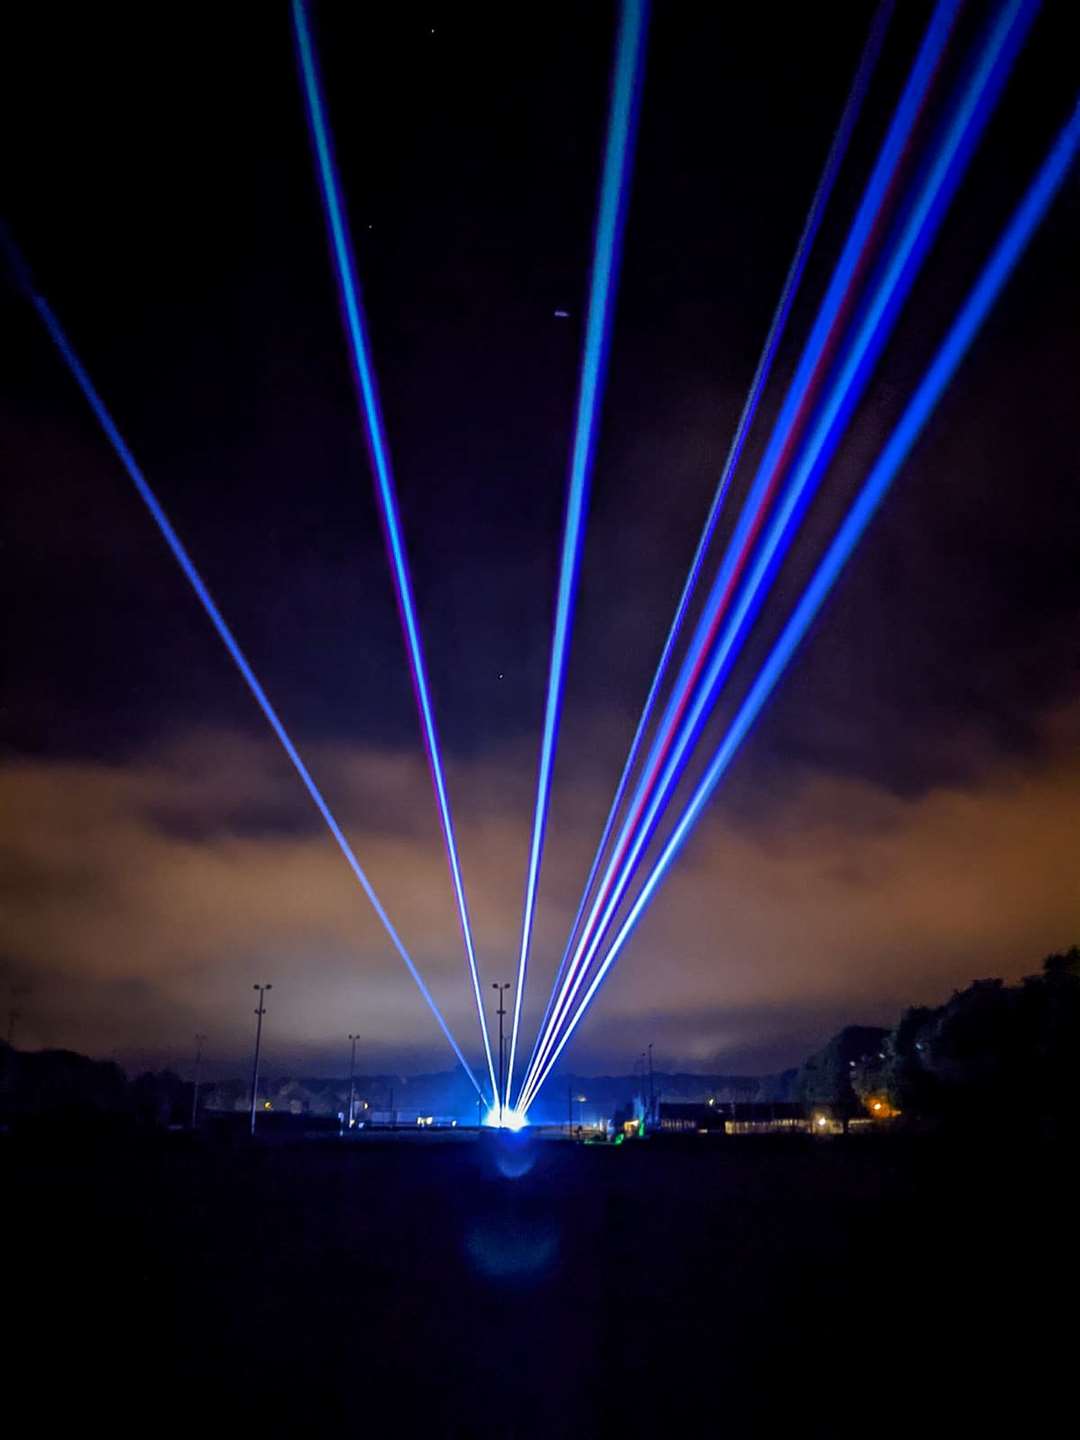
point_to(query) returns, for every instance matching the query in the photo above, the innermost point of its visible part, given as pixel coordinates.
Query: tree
(825, 1080)
(993, 1053)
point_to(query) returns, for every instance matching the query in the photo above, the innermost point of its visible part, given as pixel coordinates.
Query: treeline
(63, 1084)
(992, 1055)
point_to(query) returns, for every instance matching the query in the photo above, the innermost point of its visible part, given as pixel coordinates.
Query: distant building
(766, 1117)
(758, 1117)
(680, 1117)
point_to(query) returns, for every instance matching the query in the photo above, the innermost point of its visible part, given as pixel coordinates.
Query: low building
(680, 1117)
(713, 1117)
(766, 1117)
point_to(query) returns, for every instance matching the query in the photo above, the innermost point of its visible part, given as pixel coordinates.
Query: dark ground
(746, 1288)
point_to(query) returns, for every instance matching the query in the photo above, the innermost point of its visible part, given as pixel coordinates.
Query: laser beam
(206, 600)
(1003, 260)
(798, 399)
(379, 454)
(837, 152)
(968, 117)
(614, 193)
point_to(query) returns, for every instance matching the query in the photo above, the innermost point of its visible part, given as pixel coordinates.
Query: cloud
(142, 901)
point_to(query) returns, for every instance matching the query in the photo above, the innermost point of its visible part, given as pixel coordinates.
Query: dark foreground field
(745, 1288)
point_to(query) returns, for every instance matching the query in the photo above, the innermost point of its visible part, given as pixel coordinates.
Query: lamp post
(260, 1011)
(352, 1077)
(571, 1100)
(501, 1012)
(14, 1013)
(195, 1088)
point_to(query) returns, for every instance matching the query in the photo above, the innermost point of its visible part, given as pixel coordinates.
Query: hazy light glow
(968, 118)
(379, 453)
(508, 1119)
(614, 192)
(835, 159)
(958, 341)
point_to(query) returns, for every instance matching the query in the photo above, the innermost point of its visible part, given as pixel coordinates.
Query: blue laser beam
(379, 454)
(968, 117)
(927, 212)
(965, 328)
(614, 194)
(834, 160)
(206, 600)
(826, 325)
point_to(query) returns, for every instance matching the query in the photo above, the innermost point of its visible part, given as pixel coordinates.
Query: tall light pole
(195, 1088)
(352, 1076)
(260, 1011)
(652, 1092)
(14, 1013)
(502, 1011)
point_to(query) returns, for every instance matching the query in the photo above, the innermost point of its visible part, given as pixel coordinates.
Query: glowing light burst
(795, 407)
(614, 189)
(216, 618)
(968, 118)
(507, 1119)
(958, 341)
(379, 453)
(834, 161)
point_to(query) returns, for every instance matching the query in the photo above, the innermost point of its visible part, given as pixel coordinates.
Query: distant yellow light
(267, 1105)
(821, 1122)
(877, 1104)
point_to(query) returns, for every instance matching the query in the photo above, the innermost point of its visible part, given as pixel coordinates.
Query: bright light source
(821, 1122)
(509, 1120)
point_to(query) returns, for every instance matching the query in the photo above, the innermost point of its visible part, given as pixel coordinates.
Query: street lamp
(195, 1088)
(260, 1011)
(571, 1101)
(501, 1012)
(352, 1076)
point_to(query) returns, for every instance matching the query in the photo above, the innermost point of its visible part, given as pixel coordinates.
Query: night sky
(905, 818)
